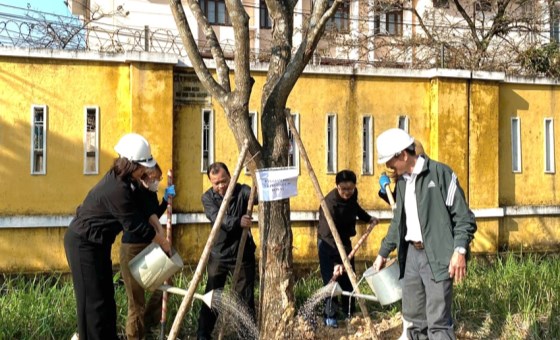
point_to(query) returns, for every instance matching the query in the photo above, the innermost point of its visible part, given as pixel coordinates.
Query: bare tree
(286, 64)
(473, 34)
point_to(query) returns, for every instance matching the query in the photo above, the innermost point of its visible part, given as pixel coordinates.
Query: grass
(504, 297)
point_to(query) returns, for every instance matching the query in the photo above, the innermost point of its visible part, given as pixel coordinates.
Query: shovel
(357, 246)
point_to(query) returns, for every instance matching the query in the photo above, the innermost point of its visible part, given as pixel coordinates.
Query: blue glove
(169, 192)
(383, 181)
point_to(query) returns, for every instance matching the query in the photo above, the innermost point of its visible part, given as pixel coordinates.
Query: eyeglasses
(344, 189)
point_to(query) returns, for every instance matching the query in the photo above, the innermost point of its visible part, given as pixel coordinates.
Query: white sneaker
(75, 337)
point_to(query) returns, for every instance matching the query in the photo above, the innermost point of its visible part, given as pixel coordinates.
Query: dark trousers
(141, 316)
(328, 258)
(426, 303)
(217, 275)
(92, 274)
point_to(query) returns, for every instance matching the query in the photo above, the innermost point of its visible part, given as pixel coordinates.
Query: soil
(351, 329)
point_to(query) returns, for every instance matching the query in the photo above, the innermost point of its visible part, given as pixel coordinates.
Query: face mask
(151, 186)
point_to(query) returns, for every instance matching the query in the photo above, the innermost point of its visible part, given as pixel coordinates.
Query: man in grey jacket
(432, 229)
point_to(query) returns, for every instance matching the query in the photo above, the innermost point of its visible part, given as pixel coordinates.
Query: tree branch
(219, 91)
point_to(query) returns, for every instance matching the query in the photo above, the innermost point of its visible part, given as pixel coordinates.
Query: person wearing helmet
(142, 316)
(386, 179)
(342, 203)
(432, 229)
(109, 207)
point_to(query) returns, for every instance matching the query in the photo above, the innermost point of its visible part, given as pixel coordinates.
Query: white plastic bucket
(385, 283)
(151, 267)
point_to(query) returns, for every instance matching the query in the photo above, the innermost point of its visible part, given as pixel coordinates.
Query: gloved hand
(169, 192)
(383, 181)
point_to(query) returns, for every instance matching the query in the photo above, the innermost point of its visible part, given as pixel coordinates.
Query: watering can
(385, 285)
(151, 267)
(207, 298)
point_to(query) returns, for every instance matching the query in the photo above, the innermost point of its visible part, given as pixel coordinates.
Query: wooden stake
(187, 300)
(240, 250)
(332, 227)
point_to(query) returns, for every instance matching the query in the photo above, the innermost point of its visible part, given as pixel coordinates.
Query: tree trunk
(277, 305)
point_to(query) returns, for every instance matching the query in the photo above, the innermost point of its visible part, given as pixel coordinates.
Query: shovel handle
(389, 193)
(358, 245)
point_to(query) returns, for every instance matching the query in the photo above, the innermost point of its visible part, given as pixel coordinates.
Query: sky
(18, 7)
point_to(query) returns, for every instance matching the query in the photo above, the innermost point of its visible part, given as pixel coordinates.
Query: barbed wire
(35, 29)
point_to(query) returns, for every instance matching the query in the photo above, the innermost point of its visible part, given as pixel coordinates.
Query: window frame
(516, 167)
(96, 146)
(341, 18)
(44, 122)
(331, 149)
(367, 145)
(398, 24)
(293, 144)
(253, 121)
(440, 3)
(265, 21)
(210, 142)
(403, 123)
(549, 161)
(204, 5)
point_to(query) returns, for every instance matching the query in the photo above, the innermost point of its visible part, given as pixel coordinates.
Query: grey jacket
(445, 218)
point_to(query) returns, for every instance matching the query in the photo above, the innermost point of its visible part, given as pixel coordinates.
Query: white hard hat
(135, 148)
(390, 143)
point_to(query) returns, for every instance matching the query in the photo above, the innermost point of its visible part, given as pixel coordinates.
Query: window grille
(91, 140)
(39, 139)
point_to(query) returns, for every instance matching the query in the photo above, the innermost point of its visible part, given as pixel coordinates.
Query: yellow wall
(131, 98)
(531, 104)
(460, 121)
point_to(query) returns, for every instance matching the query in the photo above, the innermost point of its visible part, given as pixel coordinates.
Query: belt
(419, 245)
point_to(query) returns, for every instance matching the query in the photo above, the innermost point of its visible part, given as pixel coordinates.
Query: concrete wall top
(163, 58)
(134, 56)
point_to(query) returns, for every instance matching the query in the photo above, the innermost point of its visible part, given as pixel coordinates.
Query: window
(389, 23)
(265, 20)
(253, 123)
(549, 145)
(441, 3)
(215, 11)
(554, 24)
(207, 139)
(403, 123)
(515, 144)
(483, 5)
(293, 152)
(367, 143)
(555, 30)
(91, 140)
(341, 18)
(38, 139)
(331, 143)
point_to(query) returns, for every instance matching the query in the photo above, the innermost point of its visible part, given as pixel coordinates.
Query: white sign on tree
(277, 183)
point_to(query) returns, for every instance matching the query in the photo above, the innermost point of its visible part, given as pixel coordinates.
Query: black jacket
(150, 205)
(227, 242)
(344, 214)
(109, 207)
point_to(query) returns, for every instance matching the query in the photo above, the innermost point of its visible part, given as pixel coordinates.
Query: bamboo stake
(170, 240)
(187, 300)
(332, 227)
(240, 249)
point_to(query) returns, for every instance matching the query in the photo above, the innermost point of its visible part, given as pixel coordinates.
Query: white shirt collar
(417, 168)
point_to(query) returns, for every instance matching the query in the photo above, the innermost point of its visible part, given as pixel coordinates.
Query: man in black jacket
(342, 203)
(224, 251)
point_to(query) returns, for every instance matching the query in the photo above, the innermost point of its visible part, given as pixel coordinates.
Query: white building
(390, 31)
